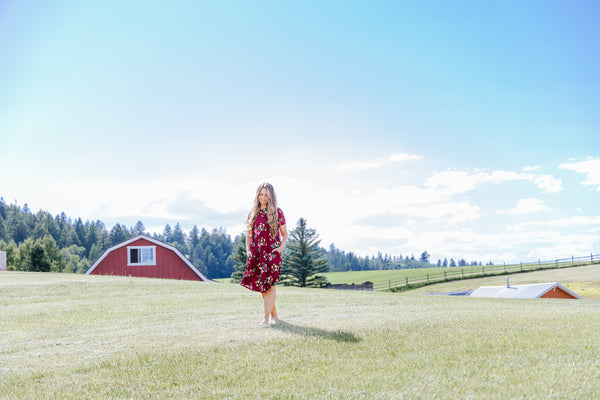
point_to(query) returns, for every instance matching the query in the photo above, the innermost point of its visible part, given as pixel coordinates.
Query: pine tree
(139, 228)
(118, 234)
(178, 236)
(304, 259)
(194, 240)
(167, 233)
(239, 258)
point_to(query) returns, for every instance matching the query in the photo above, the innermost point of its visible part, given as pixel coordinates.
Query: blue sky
(463, 128)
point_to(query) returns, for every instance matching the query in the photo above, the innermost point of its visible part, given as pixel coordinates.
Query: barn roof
(531, 291)
(155, 241)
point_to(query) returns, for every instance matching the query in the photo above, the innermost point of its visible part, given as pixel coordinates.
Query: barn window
(141, 255)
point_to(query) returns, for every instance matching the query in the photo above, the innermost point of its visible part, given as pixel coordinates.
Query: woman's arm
(284, 238)
(248, 244)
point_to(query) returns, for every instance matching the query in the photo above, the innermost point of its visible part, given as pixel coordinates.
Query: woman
(265, 241)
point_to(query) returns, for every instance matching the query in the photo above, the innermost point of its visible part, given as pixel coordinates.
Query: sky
(466, 129)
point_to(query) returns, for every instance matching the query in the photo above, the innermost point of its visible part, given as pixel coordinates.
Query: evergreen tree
(194, 240)
(21, 231)
(239, 258)
(178, 237)
(304, 258)
(35, 258)
(80, 233)
(40, 256)
(139, 228)
(95, 252)
(118, 234)
(167, 233)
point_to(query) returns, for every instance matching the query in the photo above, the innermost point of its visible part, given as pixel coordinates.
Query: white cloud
(445, 213)
(501, 247)
(591, 168)
(378, 210)
(558, 223)
(547, 183)
(454, 182)
(527, 206)
(523, 225)
(575, 221)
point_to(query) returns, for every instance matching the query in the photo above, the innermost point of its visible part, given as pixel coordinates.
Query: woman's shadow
(338, 336)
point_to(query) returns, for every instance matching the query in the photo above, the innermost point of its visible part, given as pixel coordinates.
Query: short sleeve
(280, 217)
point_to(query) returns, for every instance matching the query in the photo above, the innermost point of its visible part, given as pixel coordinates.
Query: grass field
(584, 280)
(67, 336)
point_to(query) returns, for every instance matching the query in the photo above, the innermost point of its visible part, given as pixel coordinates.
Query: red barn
(146, 257)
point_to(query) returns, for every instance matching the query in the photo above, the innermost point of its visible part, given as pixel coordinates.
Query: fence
(456, 273)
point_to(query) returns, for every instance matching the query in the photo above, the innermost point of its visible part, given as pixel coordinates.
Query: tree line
(42, 242)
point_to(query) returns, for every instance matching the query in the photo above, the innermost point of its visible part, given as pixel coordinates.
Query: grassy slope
(585, 281)
(78, 337)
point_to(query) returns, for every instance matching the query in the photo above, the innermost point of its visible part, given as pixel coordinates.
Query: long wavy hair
(271, 209)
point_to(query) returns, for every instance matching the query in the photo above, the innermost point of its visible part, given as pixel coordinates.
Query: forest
(43, 242)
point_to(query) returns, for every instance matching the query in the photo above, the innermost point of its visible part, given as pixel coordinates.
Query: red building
(143, 256)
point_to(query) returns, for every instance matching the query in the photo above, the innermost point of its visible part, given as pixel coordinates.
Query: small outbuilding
(552, 290)
(143, 256)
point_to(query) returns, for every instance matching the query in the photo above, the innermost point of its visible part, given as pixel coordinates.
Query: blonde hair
(271, 209)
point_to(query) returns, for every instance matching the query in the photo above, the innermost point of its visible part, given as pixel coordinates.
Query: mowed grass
(382, 278)
(584, 280)
(66, 336)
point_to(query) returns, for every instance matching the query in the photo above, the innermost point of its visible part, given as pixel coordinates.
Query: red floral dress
(263, 265)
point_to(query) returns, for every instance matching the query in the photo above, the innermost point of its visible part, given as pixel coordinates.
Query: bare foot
(265, 322)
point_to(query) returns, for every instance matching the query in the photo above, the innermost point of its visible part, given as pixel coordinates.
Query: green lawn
(66, 336)
(585, 281)
(385, 279)
(396, 276)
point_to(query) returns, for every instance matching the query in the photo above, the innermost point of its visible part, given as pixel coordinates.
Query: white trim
(558, 285)
(141, 260)
(157, 242)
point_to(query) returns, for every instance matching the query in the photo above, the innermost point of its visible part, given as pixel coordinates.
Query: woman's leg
(269, 301)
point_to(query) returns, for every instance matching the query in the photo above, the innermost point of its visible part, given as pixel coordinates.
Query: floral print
(263, 265)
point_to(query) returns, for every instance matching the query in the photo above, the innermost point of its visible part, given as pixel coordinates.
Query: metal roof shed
(551, 290)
